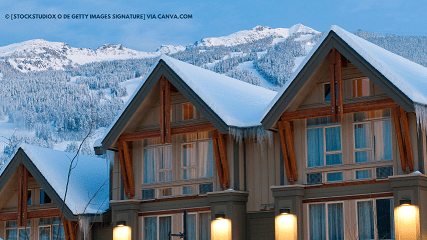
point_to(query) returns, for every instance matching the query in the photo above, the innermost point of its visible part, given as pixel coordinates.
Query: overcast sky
(209, 19)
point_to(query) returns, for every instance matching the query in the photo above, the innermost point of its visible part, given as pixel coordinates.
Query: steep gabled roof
(88, 189)
(403, 80)
(226, 102)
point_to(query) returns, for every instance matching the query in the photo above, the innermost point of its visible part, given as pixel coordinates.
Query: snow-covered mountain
(254, 34)
(39, 54)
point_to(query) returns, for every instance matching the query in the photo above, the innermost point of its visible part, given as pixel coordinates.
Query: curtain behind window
(11, 234)
(150, 228)
(44, 233)
(382, 138)
(191, 226)
(315, 147)
(149, 166)
(365, 220)
(205, 159)
(61, 235)
(205, 226)
(335, 221)
(317, 222)
(164, 227)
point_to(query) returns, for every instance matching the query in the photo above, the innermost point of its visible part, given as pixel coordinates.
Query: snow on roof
(89, 176)
(409, 77)
(237, 103)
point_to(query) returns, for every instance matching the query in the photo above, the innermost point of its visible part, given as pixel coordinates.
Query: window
(165, 192)
(323, 142)
(199, 226)
(51, 229)
(334, 176)
(364, 174)
(375, 219)
(384, 172)
(158, 164)
(361, 88)
(188, 111)
(372, 136)
(326, 221)
(15, 233)
(187, 190)
(44, 198)
(157, 227)
(197, 156)
(327, 92)
(29, 198)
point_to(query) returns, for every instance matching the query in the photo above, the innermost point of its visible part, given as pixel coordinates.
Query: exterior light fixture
(219, 216)
(121, 223)
(285, 211)
(405, 202)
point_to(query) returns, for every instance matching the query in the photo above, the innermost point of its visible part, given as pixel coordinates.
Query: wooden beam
(8, 217)
(223, 152)
(204, 127)
(162, 110)
(332, 60)
(167, 109)
(136, 136)
(339, 108)
(123, 167)
(47, 213)
(20, 187)
(407, 141)
(396, 115)
(348, 108)
(289, 175)
(291, 149)
(65, 225)
(215, 146)
(129, 171)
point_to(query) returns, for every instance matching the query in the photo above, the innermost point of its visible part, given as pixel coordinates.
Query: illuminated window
(188, 111)
(15, 233)
(51, 229)
(326, 221)
(361, 88)
(165, 192)
(372, 136)
(375, 219)
(199, 226)
(323, 142)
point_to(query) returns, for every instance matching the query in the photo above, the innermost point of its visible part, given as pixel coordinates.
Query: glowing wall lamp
(221, 227)
(286, 225)
(407, 220)
(121, 232)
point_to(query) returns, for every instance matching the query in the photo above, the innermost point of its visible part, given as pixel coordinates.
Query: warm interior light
(122, 233)
(221, 229)
(285, 211)
(406, 220)
(286, 227)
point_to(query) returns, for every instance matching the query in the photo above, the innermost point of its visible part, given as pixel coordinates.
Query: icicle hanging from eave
(262, 135)
(84, 223)
(421, 113)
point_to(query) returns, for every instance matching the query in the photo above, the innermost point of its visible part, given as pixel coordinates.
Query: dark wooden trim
(222, 139)
(20, 197)
(167, 109)
(407, 140)
(129, 171)
(289, 176)
(215, 149)
(174, 199)
(332, 83)
(348, 108)
(203, 127)
(396, 115)
(8, 217)
(123, 168)
(162, 109)
(44, 213)
(200, 209)
(65, 225)
(341, 184)
(135, 136)
(289, 132)
(340, 97)
(350, 197)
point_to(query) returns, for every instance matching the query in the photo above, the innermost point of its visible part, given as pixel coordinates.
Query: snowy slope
(39, 54)
(254, 34)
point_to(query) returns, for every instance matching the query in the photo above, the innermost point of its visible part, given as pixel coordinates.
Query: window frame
(374, 212)
(17, 229)
(51, 226)
(326, 217)
(325, 153)
(197, 222)
(157, 222)
(157, 148)
(189, 104)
